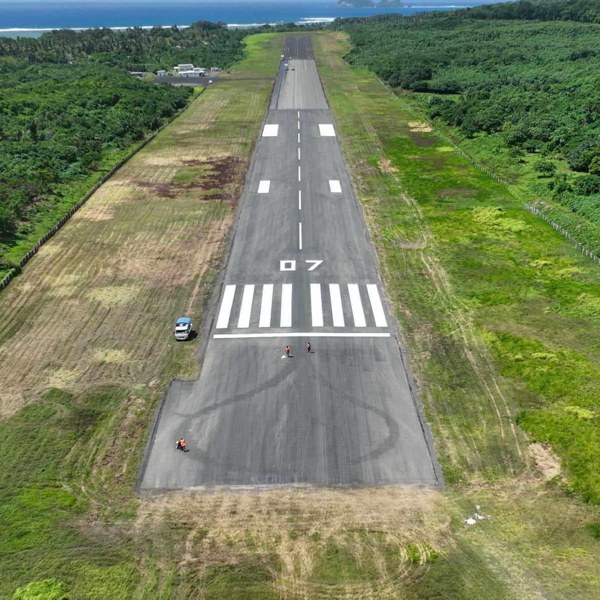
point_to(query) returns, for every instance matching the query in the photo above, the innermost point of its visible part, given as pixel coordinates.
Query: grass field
(86, 345)
(86, 352)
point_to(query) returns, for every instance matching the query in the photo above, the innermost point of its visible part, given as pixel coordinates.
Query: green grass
(146, 248)
(499, 312)
(263, 52)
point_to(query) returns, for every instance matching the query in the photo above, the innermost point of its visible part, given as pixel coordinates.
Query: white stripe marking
(335, 186)
(298, 114)
(264, 187)
(266, 305)
(285, 319)
(380, 320)
(294, 334)
(298, 138)
(355, 302)
(226, 304)
(300, 236)
(299, 173)
(298, 125)
(316, 305)
(336, 305)
(299, 154)
(299, 199)
(271, 131)
(246, 308)
(327, 130)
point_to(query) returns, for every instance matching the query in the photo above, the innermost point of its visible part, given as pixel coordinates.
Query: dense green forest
(69, 110)
(529, 85)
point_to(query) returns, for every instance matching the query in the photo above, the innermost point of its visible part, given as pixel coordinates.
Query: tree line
(68, 108)
(532, 80)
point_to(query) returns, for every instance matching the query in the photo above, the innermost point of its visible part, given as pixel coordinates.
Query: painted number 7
(290, 265)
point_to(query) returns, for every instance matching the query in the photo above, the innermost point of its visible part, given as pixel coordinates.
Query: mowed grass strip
(498, 312)
(86, 344)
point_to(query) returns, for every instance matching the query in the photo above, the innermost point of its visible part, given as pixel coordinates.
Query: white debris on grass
(477, 517)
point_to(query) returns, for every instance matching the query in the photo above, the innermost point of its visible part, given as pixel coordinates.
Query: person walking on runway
(309, 347)
(287, 351)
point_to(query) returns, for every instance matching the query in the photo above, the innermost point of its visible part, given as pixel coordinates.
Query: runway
(301, 269)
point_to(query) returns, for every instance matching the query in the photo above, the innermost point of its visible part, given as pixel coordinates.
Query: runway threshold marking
(292, 334)
(285, 317)
(337, 309)
(246, 308)
(378, 313)
(265, 305)
(316, 305)
(356, 304)
(226, 305)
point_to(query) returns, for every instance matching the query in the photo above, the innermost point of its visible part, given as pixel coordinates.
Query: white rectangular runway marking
(298, 138)
(299, 154)
(246, 308)
(298, 124)
(298, 114)
(299, 173)
(264, 187)
(316, 305)
(300, 236)
(314, 334)
(299, 199)
(357, 309)
(226, 304)
(266, 305)
(380, 320)
(271, 131)
(327, 130)
(285, 318)
(335, 187)
(336, 305)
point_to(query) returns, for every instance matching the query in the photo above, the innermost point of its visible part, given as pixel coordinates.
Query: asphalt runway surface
(301, 269)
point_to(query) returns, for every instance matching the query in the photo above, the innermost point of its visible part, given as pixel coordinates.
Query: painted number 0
(290, 265)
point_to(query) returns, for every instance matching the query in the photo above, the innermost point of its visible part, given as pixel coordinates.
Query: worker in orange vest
(181, 444)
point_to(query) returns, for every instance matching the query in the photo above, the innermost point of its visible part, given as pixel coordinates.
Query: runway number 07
(290, 265)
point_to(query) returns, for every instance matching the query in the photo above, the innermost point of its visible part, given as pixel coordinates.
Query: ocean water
(31, 18)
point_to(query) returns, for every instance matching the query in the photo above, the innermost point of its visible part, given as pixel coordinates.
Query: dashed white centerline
(300, 235)
(285, 317)
(246, 308)
(266, 305)
(299, 173)
(298, 138)
(298, 114)
(298, 125)
(299, 156)
(226, 304)
(299, 199)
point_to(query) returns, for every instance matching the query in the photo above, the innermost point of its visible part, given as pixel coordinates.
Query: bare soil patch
(219, 179)
(545, 460)
(422, 141)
